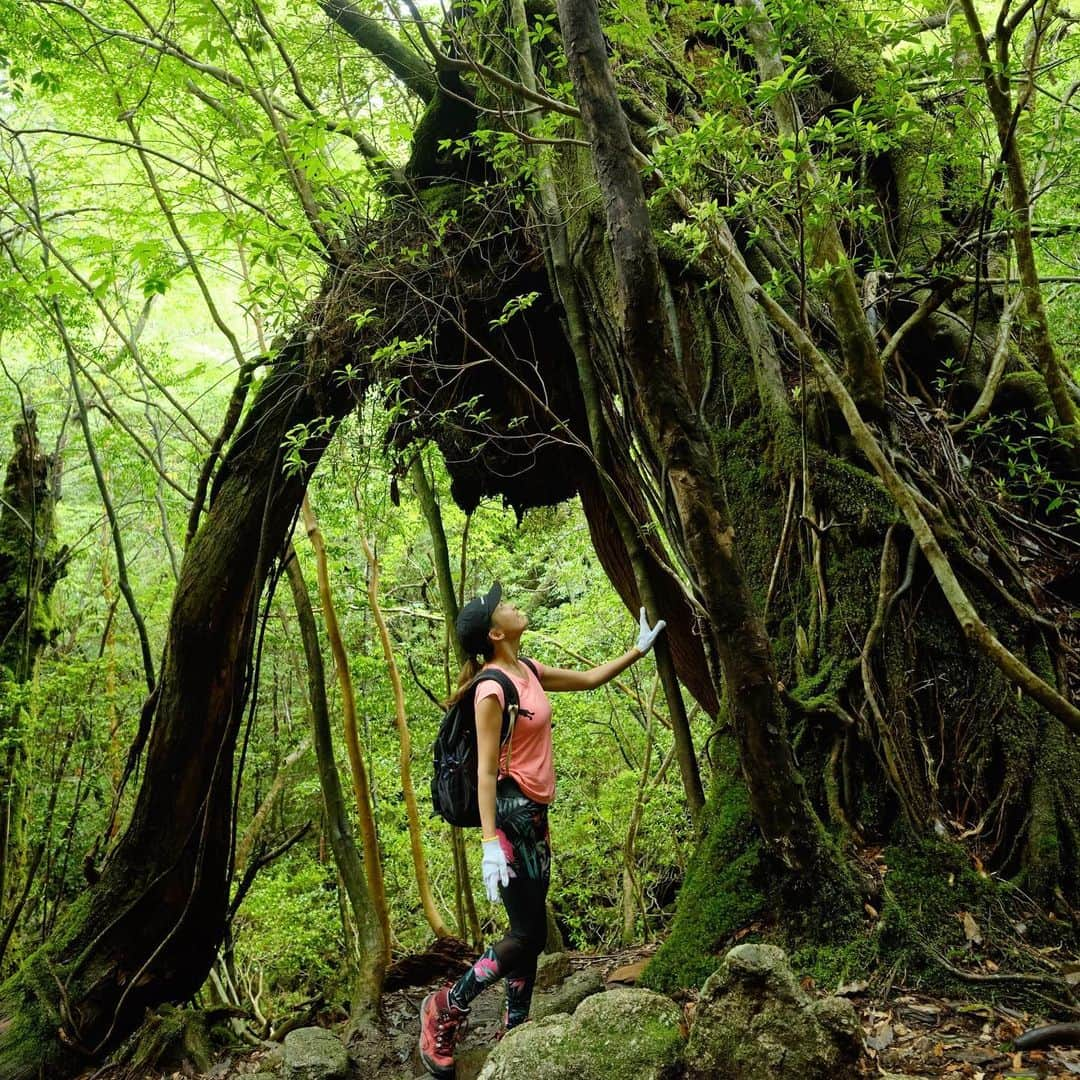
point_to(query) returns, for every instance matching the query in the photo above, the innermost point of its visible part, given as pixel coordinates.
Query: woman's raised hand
(648, 635)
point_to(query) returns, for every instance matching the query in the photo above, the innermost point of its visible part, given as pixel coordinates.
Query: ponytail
(469, 672)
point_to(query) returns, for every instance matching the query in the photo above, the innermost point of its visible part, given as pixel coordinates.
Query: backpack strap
(510, 699)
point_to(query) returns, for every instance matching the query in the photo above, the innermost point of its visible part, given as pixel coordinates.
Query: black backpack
(453, 779)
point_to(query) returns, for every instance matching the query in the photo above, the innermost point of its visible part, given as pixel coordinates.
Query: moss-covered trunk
(904, 733)
(31, 563)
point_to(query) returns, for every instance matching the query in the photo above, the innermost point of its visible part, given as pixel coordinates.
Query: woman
(514, 787)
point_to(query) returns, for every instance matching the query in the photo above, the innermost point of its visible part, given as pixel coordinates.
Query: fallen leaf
(971, 928)
(847, 989)
(883, 1036)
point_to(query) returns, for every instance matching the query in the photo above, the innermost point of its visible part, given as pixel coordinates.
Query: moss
(831, 964)
(1024, 390)
(929, 886)
(29, 997)
(439, 199)
(720, 893)
(170, 1037)
(820, 692)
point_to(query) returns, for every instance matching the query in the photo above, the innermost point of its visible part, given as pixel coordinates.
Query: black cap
(474, 621)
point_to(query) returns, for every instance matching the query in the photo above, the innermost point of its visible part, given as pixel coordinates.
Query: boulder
(568, 996)
(469, 1061)
(755, 1022)
(551, 969)
(620, 1033)
(313, 1053)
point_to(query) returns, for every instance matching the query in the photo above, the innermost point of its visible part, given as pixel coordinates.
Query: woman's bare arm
(488, 730)
(564, 679)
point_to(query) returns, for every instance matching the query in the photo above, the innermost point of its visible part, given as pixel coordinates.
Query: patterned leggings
(522, 828)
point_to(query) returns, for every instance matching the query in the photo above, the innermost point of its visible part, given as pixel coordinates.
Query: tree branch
(375, 39)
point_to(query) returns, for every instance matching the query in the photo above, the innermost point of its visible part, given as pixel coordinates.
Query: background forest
(178, 186)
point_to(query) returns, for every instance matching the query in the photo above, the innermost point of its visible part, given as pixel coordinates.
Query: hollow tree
(781, 388)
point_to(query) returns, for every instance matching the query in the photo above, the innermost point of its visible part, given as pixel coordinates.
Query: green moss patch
(720, 894)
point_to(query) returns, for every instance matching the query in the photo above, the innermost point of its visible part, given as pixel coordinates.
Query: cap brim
(494, 595)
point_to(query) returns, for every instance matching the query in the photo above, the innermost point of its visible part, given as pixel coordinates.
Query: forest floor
(908, 1034)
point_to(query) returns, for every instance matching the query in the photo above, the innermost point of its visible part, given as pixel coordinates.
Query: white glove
(647, 637)
(494, 869)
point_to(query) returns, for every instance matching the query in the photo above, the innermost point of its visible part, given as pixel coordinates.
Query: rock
(754, 1021)
(313, 1053)
(273, 1058)
(627, 975)
(551, 969)
(567, 997)
(470, 1060)
(620, 1033)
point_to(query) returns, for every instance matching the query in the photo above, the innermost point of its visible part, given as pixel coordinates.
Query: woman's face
(508, 619)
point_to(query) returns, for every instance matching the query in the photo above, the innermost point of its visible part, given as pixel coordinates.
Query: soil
(908, 1034)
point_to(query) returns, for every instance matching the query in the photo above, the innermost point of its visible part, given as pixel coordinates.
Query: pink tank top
(527, 758)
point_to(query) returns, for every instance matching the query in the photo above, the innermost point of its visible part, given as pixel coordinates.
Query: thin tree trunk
(427, 900)
(629, 884)
(266, 806)
(425, 495)
(369, 946)
(357, 768)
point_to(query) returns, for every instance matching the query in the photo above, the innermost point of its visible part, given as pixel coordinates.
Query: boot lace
(447, 1025)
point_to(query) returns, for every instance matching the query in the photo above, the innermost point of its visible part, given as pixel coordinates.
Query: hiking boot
(442, 1025)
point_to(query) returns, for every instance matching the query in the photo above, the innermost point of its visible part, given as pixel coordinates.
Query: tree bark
(780, 806)
(31, 563)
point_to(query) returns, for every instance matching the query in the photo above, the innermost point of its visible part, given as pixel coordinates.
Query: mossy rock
(754, 1021)
(313, 1053)
(551, 969)
(623, 1032)
(566, 997)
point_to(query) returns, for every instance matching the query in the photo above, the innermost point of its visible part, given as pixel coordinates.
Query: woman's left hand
(648, 635)
(494, 869)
